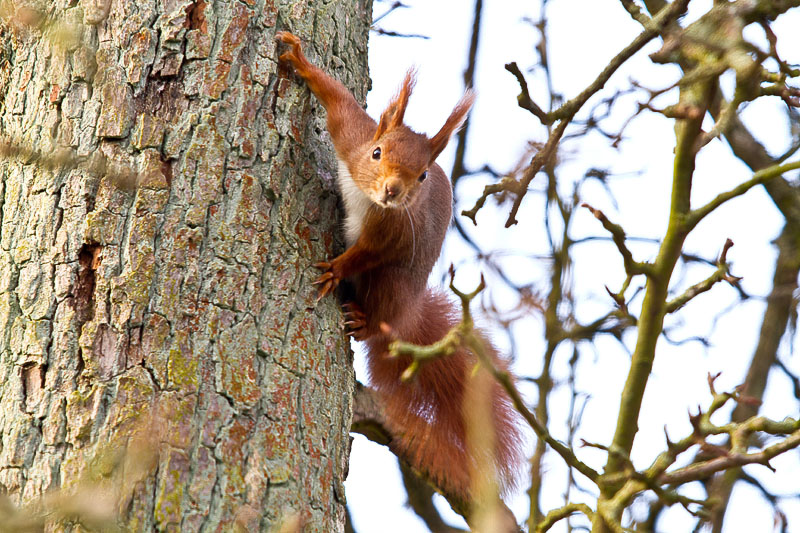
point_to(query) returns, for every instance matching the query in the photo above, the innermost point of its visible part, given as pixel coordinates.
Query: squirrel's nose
(392, 189)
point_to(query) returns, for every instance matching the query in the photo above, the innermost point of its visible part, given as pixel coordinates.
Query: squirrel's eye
(376, 154)
(423, 176)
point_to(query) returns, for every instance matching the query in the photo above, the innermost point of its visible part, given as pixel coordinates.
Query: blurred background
(617, 156)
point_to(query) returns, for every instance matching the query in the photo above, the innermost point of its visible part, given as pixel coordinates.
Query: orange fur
(389, 259)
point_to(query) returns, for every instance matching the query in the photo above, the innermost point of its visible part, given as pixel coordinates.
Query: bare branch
(390, 33)
(632, 267)
(524, 98)
(760, 177)
(722, 273)
(703, 470)
(392, 8)
(635, 12)
(369, 420)
(664, 17)
(563, 512)
(567, 111)
(420, 500)
(463, 335)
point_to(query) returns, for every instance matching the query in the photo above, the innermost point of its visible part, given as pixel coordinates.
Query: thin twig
(567, 111)
(759, 178)
(721, 274)
(632, 267)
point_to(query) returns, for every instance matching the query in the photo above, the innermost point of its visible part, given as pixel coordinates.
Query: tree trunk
(180, 308)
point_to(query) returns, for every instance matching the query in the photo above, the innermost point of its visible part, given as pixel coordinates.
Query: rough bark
(181, 304)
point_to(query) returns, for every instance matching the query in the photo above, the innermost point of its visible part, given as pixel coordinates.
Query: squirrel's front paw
(355, 320)
(295, 54)
(328, 281)
(287, 37)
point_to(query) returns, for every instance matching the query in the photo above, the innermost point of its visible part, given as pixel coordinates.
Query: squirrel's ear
(453, 123)
(394, 112)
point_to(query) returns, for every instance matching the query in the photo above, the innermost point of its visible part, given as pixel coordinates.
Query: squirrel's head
(395, 164)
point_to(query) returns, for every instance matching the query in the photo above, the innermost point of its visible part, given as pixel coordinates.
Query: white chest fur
(356, 204)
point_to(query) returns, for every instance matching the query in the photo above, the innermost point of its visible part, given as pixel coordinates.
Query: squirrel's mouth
(390, 202)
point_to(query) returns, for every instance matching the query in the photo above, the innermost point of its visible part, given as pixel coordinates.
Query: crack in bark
(88, 260)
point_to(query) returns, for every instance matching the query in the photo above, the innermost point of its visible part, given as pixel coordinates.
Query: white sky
(581, 43)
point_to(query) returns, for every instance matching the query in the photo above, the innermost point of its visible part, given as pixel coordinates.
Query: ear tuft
(453, 123)
(392, 116)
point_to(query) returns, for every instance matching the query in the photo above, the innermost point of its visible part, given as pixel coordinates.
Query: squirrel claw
(355, 321)
(357, 330)
(326, 289)
(327, 276)
(328, 281)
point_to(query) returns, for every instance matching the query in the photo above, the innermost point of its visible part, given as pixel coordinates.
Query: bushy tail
(429, 416)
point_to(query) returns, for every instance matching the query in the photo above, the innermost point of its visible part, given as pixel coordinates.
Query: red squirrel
(398, 206)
